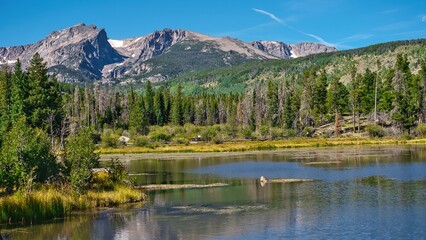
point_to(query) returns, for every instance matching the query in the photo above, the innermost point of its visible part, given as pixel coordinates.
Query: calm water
(342, 204)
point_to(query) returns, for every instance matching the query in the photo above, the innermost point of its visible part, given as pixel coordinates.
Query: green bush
(109, 141)
(375, 131)
(141, 141)
(308, 131)
(181, 141)
(161, 135)
(218, 139)
(248, 133)
(208, 133)
(406, 136)
(421, 130)
(25, 157)
(264, 131)
(79, 160)
(117, 171)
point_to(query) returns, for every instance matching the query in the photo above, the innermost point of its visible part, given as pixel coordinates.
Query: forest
(43, 122)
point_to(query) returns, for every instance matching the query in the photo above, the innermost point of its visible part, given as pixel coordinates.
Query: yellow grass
(260, 145)
(49, 203)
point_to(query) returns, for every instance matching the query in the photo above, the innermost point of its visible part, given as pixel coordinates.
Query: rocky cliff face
(138, 51)
(84, 53)
(305, 49)
(282, 50)
(78, 53)
(277, 49)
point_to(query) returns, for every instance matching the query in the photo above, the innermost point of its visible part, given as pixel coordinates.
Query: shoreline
(203, 150)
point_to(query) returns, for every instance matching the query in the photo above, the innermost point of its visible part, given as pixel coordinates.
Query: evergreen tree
(159, 106)
(177, 108)
(5, 99)
(307, 97)
(273, 115)
(337, 98)
(320, 96)
(44, 98)
(253, 112)
(149, 104)
(367, 92)
(19, 92)
(405, 91)
(137, 119)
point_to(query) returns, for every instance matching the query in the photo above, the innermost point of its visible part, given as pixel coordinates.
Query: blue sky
(341, 23)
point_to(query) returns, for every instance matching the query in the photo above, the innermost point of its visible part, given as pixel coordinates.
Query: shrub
(421, 129)
(218, 139)
(141, 141)
(25, 157)
(79, 160)
(110, 141)
(248, 133)
(161, 135)
(181, 141)
(208, 133)
(375, 131)
(117, 171)
(264, 131)
(308, 132)
(406, 136)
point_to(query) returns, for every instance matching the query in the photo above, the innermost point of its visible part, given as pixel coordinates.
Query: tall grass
(258, 145)
(49, 203)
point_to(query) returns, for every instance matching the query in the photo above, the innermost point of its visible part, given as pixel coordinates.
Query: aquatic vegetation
(49, 203)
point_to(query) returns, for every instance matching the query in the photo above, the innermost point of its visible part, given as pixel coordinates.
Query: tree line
(40, 118)
(311, 99)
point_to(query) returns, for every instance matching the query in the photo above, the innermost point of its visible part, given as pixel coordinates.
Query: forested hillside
(378, 57)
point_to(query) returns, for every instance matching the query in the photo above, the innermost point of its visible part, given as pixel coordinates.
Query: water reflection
(346, 203)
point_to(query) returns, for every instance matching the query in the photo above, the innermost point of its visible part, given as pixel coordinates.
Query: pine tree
(337, 98)
(253, 112)
(367, 92)
(273, 102)
(405, 91)
(44, 96)
(149, 104)
(19, 92)
(177, 108)
(159, 106)
(307, 100)
(320, 97)
(5, 99)
(137, 118)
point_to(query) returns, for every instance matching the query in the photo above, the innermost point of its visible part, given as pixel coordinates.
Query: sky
(345, 24)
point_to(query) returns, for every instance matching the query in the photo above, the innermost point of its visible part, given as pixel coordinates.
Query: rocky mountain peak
(282, 50)
(85, 53)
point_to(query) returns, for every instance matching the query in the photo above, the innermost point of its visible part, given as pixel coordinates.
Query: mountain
(379, 57)
(78, 53)
(84, 53)
(169, 53)
(282, 50)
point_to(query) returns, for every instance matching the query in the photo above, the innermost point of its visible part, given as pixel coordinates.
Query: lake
(358, 193)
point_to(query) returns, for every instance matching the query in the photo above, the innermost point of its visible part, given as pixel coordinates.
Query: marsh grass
(50, 202)
(239, 146)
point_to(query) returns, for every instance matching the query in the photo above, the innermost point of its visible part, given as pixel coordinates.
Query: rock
(282, 50)
(124, 139)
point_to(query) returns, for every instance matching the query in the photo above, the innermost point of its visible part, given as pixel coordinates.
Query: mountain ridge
(82, 53)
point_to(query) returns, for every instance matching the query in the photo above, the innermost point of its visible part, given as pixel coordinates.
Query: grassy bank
(49, 203)
(259, 145)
